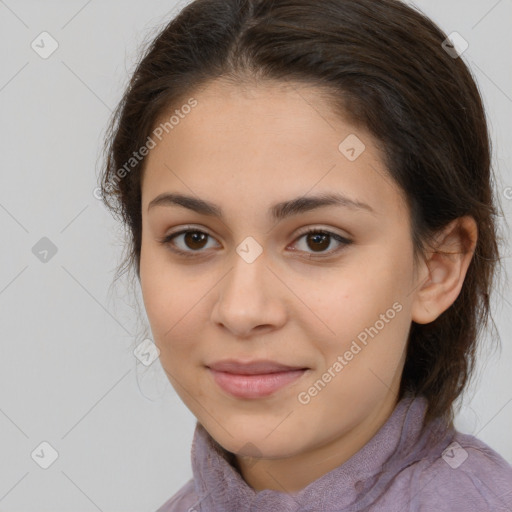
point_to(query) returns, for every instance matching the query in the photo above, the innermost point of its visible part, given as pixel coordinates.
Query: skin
(246, 149)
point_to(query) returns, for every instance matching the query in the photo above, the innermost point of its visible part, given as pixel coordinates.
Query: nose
(250, 298)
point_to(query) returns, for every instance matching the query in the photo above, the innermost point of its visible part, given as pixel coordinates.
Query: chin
(258, 441)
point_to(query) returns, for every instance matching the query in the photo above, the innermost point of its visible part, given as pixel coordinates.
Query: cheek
(363, 305)
(175, 306)
(347, 299)
(162, 303)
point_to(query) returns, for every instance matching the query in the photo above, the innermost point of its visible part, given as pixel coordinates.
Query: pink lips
(255, 379)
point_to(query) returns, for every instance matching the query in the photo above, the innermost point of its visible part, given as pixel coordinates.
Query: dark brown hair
(383, 67)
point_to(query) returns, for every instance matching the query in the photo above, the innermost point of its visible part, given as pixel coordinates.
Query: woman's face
(251, 285)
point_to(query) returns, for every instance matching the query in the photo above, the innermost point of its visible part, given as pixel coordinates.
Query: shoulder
(467, 475)
(183, 501)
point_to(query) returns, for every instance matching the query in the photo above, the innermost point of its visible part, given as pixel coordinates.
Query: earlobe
(444, 270)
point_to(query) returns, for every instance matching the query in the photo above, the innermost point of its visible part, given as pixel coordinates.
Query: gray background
(68, 373)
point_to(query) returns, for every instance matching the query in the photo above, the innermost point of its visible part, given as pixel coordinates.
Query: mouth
(255, 379)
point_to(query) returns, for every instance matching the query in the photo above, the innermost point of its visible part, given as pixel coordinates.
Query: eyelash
(166, 241)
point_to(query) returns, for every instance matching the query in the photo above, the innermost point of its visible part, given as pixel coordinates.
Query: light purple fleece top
(404, 467)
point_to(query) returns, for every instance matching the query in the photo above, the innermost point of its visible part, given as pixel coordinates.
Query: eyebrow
(278, 211)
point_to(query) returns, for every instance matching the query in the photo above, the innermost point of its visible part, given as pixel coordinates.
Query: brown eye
(195, 239)
(188, 242)
(318, 241)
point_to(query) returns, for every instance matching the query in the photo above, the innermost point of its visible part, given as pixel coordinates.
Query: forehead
(276, 141)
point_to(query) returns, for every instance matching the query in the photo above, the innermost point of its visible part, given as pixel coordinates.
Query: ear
(442, 272)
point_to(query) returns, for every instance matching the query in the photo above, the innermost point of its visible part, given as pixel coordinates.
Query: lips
(252, 367)
(255, 379)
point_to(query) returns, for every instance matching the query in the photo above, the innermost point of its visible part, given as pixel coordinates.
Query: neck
(294, 473)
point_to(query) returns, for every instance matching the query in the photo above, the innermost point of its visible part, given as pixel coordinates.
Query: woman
(307, 188)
